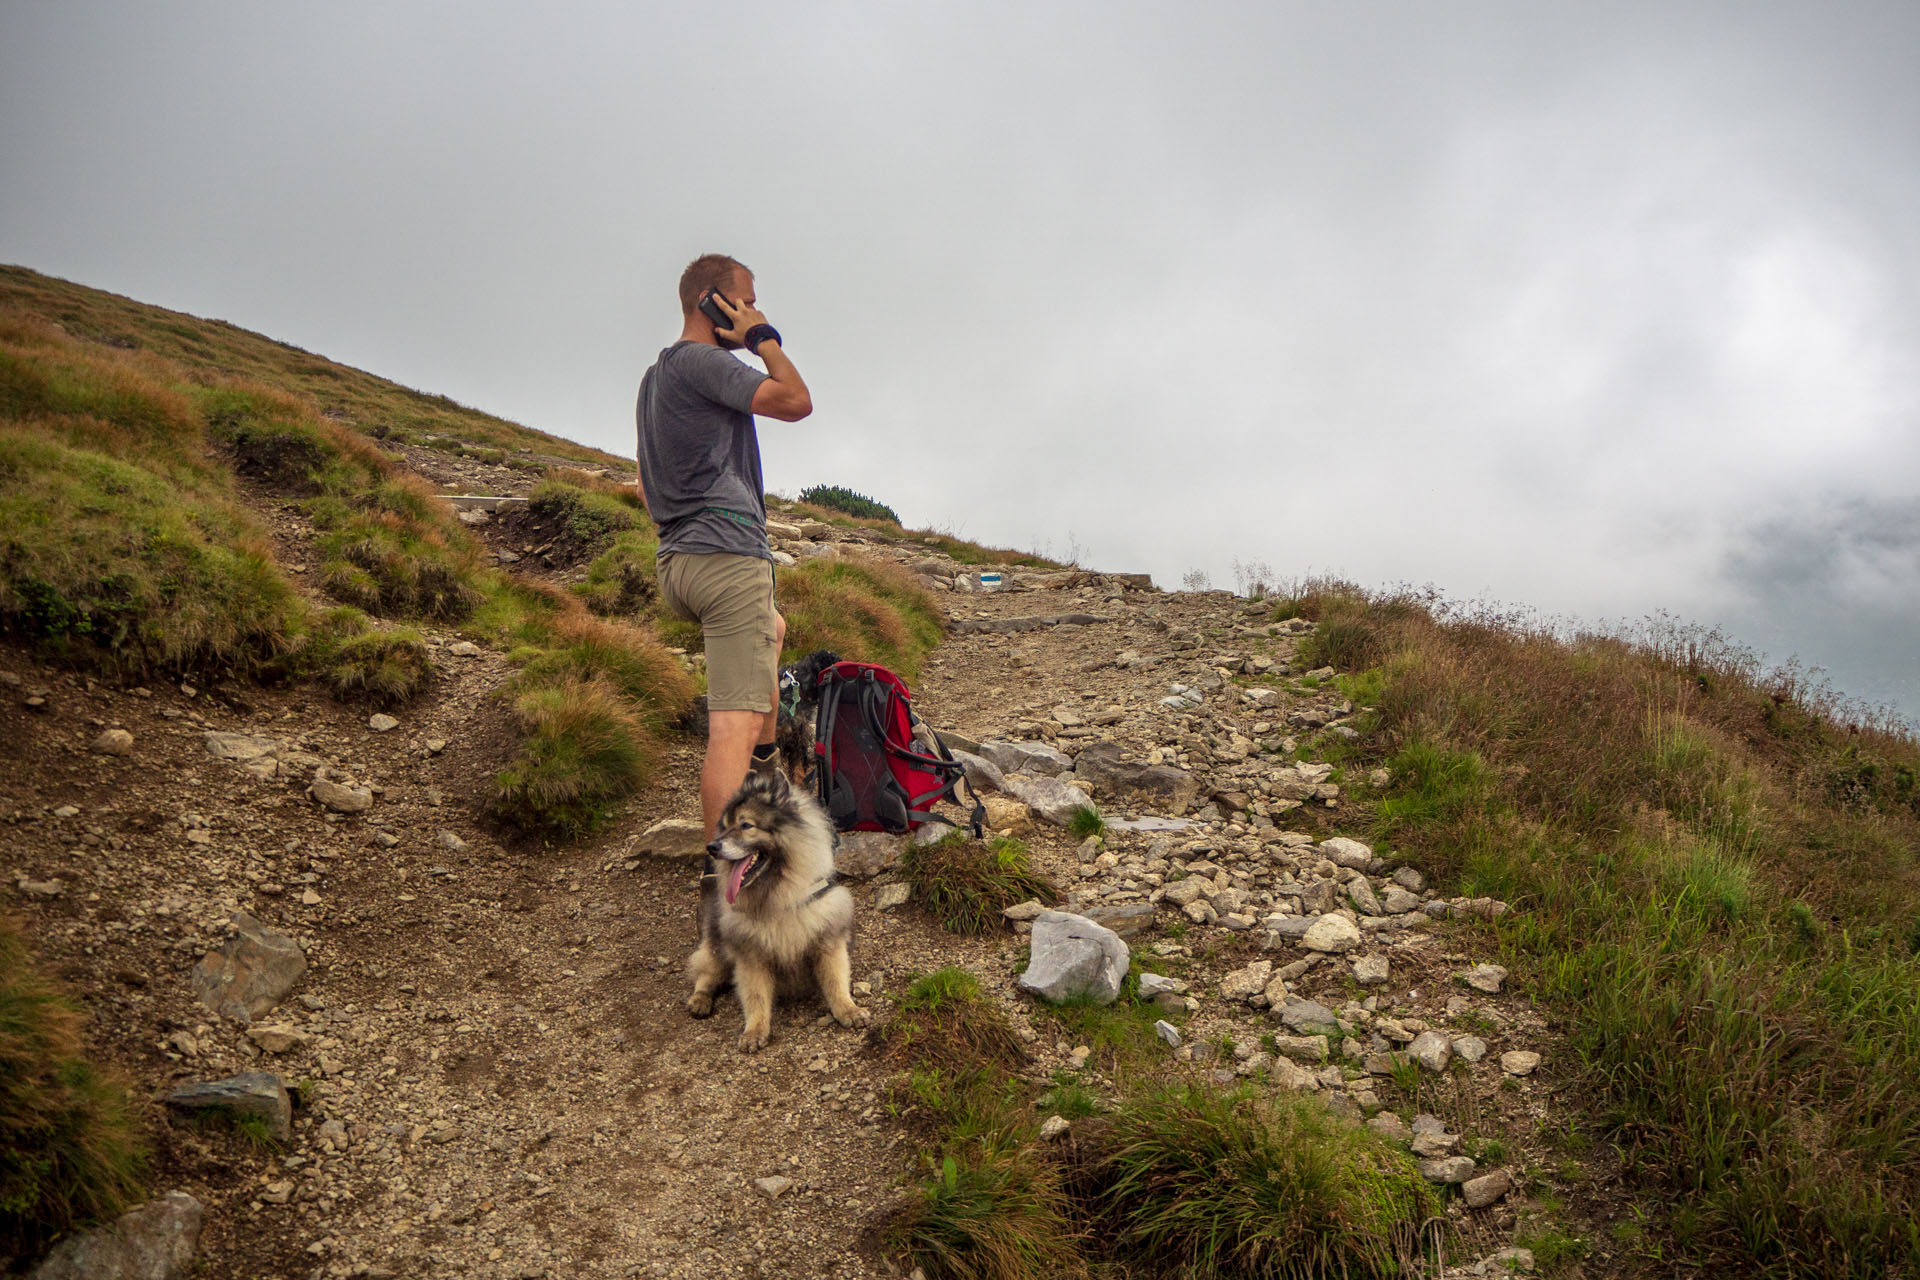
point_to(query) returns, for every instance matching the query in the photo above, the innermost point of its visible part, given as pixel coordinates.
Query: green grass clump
(966, 884)
(593, 707)
(381, 666)
(589, 514)
(863, 610)
(620, 581)
(1086, 821)
(583, 749)
(836, 498)
(944, 1022)
(70, 1152)
(989, 1217)
(1191, 1181)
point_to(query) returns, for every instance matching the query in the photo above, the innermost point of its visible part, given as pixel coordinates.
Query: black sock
(763, 750)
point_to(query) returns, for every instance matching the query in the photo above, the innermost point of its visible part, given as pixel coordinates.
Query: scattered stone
(1027, 910)
(1154, 984)
(435, 746)
(1390, 1126)
(1048, 798)
(1331, 933)
(464, 649)
(1302, 1048)
(251, 1093)
(1007, 815)
(775, 1187)
(49, 888)
(930, 833)
(674, 838)
(67, 811)
(1167, 1032)
(340, 799)
(1245, 983)
(1431, 1050)
(1036, 758)
(1056, 1126)
(1309, 1018)
(1447, 1169)
(153, 1242)
(450, 841)
(1519, 1062)
(891, 897)
(251, 974)
(1126, 918)
(1469, 1049)
(865, 854)
(239, 746)
(1287, 1074)
(1487, 1188)
(381, 722)
(114, 742)
(1343, 852)
(1513, 1258)
(277, 1037)
(1370, 971)
(982, 773)
(1154, 786)
(1485, 978)
(1071, 956)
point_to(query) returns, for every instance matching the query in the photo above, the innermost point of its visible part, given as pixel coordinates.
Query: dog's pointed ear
(776, 784)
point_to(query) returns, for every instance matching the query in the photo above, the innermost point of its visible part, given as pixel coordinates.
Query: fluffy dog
(772, 920)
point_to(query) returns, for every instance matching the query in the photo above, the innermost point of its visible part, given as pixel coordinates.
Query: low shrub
(588, 514)
(835, 498)
(381, 666)
(944, 1022)
(70, 1152)
(989, 1217)
(620, 582)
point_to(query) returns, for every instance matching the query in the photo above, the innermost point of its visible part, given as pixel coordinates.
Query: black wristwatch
(758, 334)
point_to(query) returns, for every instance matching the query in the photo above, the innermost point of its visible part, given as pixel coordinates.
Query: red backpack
(873, 772)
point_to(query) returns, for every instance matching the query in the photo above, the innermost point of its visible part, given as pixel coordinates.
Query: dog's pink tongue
(734, 877)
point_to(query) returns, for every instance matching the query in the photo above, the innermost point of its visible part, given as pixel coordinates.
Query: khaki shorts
(731, 597)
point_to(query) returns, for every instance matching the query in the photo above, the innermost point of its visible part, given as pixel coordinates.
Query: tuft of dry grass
(966, 884)
(70, 1152)
(583, 749)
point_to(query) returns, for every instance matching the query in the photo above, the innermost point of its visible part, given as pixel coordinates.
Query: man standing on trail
(700, 481)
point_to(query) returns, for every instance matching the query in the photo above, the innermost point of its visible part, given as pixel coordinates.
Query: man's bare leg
(731, 738)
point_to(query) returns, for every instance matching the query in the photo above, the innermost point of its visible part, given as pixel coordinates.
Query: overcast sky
(1601, 309)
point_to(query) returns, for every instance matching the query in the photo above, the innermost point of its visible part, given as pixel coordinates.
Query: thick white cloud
(1604, 311)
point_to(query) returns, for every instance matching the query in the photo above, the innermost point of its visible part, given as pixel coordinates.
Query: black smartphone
(711, 309)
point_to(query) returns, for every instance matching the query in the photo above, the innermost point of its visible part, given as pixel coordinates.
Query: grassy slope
(1719, 880)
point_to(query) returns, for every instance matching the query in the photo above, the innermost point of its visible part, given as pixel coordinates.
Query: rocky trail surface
(488, 1066)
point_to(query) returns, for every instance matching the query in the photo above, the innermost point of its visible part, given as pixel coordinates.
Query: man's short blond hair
(706, 272)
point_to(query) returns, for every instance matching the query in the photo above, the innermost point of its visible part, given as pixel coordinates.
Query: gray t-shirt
(699, 456)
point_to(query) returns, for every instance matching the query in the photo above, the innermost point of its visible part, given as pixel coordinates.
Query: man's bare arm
(784, 394)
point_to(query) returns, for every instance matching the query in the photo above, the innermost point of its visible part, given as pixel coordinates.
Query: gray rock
(451, 842)
(1048, 797)
(153, 1242)
(1346, 853)
(982, 773)
(1397, 901)
(1182, 892)
(1469, 1049)
(1247, 982)
(1288, 1074)
(1431, 1050)
(1302, 1048)
(1152, 786)
(1168, 1033)
(381, 722)
(340, 799)
(239, 746)
(1390, 1126)
(1370, 971)
(865, 854)
(1292, 928)
(1027, 757)
(251, 974)
(773, 1188)
(1448, 1169)
(1309, 1017)
(464, 649)
(674, 838)
(1054, 1127)
(930, 833)
(251, 1093)
(1485, 978)
(1125, 918)
(1360, 893)
(893, 896)
(1487, 1188)
(1519, 1062)
(1154, 984)
(114, 742)
(1027, 910)
(1331, 933)
(1072, 957)
(1410, 879)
